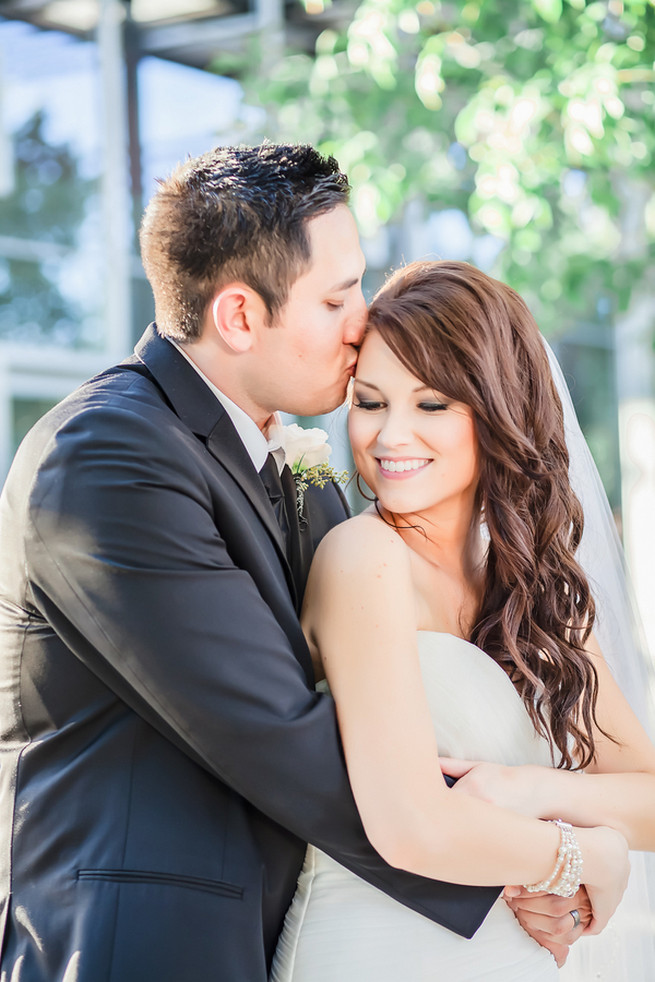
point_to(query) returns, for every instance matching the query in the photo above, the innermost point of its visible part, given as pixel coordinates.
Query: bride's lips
(401, 468)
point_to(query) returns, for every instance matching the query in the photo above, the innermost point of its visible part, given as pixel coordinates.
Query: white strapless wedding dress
(341, 929)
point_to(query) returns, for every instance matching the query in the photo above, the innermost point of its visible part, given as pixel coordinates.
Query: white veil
(625, 951)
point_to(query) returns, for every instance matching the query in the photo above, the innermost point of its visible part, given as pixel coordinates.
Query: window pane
(49, 201)
(25, 413)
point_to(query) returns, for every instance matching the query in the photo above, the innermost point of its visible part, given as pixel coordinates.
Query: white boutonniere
(307, 454)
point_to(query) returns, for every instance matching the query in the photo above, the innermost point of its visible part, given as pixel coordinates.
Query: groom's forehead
(335, 261)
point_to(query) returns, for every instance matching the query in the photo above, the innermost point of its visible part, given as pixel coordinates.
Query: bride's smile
(399, 468)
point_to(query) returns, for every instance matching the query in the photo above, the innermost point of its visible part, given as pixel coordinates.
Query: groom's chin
(316, 407)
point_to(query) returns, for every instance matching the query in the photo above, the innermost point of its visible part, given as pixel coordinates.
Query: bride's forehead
(375, 351)
(378, 361)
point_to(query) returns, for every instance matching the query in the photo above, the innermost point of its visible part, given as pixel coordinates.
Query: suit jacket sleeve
(127, 563)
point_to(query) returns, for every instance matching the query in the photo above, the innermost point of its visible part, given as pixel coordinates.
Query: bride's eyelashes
(372, 405)
(369, 404)
(433, 407)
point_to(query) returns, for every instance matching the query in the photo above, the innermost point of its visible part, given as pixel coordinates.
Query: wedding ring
(575, 914)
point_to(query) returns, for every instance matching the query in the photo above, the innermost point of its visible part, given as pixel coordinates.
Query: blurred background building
(518, 136)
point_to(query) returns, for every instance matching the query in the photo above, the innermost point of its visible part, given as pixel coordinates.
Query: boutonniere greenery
(307, 454)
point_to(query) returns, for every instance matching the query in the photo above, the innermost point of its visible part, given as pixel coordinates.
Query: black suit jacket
(163, 756)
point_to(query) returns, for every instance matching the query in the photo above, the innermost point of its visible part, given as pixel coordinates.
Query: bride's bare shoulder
(360, 570)
(361, 542)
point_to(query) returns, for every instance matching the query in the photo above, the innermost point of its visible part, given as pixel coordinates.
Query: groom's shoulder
(128, 384)
(325, 507)
(115, 394)
(118, 411)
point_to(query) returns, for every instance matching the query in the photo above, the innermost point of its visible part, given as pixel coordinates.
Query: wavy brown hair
(472, 339)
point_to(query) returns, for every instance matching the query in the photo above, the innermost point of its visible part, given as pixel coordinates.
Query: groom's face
(308, 355)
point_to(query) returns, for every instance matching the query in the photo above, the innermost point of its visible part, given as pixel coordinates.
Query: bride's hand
(547, 918)
(514, 788)
(606, 867)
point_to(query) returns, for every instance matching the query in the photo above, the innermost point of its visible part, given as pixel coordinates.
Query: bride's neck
(453, 543)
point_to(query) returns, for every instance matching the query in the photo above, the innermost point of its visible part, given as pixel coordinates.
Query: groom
(164, 758)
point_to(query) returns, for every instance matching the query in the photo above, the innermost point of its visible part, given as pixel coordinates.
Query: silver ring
(575, 914)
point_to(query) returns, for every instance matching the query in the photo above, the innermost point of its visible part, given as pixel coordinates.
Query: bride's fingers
(512, 892)
(598, 923)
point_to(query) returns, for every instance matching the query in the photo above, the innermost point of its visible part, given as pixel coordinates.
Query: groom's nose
(356, 324)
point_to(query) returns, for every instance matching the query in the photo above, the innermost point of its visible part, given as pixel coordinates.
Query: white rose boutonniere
(307, 453)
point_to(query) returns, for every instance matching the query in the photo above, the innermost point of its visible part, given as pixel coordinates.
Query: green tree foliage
(535, 117)
(43, 214)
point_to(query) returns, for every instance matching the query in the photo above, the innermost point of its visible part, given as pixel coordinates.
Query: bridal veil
(625, 951)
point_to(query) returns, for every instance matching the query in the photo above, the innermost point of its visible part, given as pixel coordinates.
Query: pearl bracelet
(566, 877)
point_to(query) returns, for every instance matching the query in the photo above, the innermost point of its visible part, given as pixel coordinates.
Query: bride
(451, 619)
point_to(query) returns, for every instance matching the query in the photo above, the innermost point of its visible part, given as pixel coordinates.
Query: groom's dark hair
(234, 214)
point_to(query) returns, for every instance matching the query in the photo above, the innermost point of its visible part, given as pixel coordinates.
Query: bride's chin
(391, 506)
(388, 501)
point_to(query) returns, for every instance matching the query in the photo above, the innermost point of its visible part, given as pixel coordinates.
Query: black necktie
(281, 490)
(270, 476)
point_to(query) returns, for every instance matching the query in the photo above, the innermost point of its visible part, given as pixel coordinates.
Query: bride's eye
(368, 404)
(433, 407)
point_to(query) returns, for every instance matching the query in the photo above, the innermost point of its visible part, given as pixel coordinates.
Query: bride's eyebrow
(372, 385)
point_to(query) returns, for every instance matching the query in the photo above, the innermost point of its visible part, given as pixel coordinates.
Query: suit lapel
(224, 444)
(200, 410)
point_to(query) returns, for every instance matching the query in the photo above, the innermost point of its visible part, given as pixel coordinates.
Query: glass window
(25, 413)
(50, 285)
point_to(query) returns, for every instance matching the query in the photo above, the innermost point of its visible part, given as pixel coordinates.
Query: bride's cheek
(356, 443)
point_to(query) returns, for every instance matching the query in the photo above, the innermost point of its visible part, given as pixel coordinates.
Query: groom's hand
(549, 920)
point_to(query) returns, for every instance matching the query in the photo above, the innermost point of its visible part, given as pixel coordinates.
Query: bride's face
(416, 449)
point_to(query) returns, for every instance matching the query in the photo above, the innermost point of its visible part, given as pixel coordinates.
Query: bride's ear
(236, 315)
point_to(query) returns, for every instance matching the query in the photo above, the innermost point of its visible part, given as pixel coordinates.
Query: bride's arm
(361, 616)
(618, 790)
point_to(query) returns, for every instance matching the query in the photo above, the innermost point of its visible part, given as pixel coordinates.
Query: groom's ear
(236, 314)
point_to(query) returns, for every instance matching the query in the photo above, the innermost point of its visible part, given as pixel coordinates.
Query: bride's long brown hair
(472, 339)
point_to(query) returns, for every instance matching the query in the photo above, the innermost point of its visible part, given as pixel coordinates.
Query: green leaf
(549, 10)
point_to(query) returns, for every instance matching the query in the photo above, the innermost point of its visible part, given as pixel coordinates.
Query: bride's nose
(395, 430)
